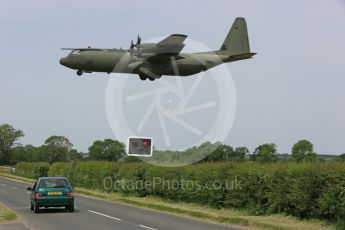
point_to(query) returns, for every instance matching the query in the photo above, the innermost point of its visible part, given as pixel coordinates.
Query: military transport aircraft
(152, 60)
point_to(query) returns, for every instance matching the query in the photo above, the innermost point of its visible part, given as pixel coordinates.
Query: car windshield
(53, 183)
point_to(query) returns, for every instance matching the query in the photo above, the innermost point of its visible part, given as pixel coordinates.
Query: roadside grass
(222, 216)
(6, 214)
(17, 178)
(227, 217)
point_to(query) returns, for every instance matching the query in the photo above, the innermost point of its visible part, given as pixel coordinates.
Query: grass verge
(222, 216)
(6, 214)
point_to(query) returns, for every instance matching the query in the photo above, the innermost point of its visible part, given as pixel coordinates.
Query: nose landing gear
(79, 72)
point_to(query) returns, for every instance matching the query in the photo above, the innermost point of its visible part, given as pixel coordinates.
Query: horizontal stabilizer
(241, 56)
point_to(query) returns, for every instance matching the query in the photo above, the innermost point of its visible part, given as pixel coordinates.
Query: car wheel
(69, 208)
(31, 206)
(36, 208)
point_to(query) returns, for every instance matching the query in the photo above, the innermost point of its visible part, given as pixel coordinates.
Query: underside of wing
(165, 57)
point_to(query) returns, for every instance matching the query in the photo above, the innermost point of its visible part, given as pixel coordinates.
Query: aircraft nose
(63, 61)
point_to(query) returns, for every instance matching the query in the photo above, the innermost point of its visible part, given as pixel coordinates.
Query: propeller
(138, 40)
(131, 48)
(137, 45)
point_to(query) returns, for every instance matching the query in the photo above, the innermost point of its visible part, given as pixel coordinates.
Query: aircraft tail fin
(236, 42)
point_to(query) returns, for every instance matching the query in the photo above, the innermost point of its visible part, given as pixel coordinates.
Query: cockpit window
(75, 52)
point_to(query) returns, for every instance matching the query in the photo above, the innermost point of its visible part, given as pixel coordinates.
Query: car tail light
(38, 195)
(70, 194)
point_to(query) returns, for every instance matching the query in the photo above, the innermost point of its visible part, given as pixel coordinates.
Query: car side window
(35, 185)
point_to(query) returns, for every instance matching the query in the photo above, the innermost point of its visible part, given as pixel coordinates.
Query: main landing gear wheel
(142, 77)
(79, 72)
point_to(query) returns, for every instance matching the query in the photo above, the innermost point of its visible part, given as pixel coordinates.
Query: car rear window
(53, 183)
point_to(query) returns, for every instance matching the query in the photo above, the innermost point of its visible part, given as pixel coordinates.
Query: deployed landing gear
(79, 72)
(144, 77)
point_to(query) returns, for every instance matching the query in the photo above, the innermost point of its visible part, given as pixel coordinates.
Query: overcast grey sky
(293, 89)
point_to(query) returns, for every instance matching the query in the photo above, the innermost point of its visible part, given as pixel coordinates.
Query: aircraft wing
(84, 49)
(172, 44)
(163, 50)
(174, 39)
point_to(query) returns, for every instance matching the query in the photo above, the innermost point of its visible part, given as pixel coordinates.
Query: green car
(51, 192)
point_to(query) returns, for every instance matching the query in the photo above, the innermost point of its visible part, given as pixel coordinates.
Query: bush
(305, 190)
(32, 170)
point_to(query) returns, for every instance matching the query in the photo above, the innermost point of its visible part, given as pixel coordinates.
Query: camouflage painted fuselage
(120, 61)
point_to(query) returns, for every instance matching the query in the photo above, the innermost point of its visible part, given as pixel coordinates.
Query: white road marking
(3, 184)
(101, 214)
(15, 188)
(28, 192)
(143, 226)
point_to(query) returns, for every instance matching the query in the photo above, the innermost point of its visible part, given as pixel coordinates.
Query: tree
(226, 152)
(341, 158)
(8, 139)
(73, 154)
(239, 154)
(265, 153)
(22, 153)
(40, 153)
(56, 148)
(109, 150)
(303, 150)
(223, 152)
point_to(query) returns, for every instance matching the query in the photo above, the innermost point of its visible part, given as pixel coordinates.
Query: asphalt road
(91, 214)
